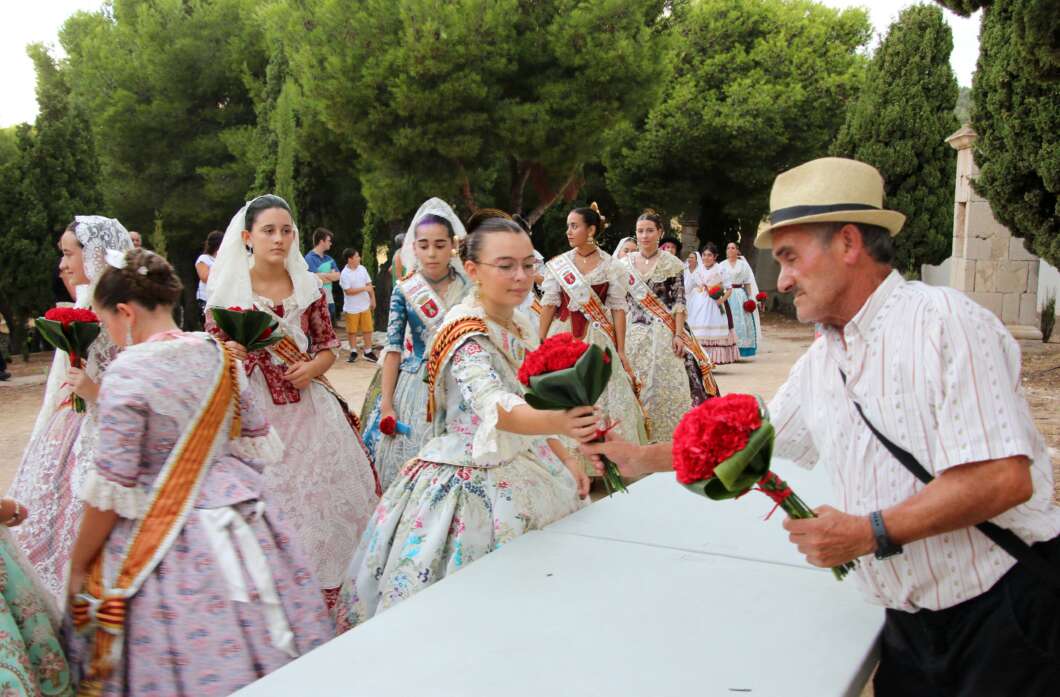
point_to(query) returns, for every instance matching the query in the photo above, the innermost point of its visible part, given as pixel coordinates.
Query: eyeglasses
(510, 268)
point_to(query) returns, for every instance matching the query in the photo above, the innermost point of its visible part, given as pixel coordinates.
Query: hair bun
(482, 215)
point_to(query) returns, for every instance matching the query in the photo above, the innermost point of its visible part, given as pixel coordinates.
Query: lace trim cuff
(107, 495)
(266, 449)
(491, 446)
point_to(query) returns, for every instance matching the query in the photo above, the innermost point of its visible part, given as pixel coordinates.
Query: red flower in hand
(761, 297)
(715, 292)
(750, 305)
(711, 433)
(66, 315)
(388, 426)
(555, 353)
(236, 308)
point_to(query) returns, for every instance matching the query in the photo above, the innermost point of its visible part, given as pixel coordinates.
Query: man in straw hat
(937, 377)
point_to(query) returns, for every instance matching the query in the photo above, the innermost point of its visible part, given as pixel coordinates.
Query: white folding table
(566, 614)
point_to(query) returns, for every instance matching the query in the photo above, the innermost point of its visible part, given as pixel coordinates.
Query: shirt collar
(862, 323)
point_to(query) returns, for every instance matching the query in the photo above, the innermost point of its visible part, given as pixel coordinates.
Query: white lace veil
(96, 235)
(621, 243)
(435, 206)
(229, 284)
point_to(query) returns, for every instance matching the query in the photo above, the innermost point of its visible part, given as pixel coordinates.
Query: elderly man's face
(136, 239)
(811, 270)
(669, 247)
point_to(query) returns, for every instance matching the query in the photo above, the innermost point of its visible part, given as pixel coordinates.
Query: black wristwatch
(884, 546)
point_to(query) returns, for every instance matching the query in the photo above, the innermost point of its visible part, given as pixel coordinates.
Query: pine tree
(899, 124)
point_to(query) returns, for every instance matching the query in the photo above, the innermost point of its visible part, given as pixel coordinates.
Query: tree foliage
(1017, 116)
(899, 124)
(758, 86)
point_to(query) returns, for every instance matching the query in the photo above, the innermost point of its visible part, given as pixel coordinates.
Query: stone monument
(990, 265)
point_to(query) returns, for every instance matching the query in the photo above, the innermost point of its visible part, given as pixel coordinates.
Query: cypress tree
(899, 124)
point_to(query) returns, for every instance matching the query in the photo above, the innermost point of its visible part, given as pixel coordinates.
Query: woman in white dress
(418, 305)
(62, 447)
(747, 325)
(492, 471)
(711, 326)
(585, 288)
(324, 484)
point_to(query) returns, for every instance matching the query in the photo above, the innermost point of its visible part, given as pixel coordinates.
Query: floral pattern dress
(609, 281)
(324, 481)
(32, 663)
(745, 324)
(52, 468)
(670, 386)
(473, 487)
(200, 623)
(391, 453)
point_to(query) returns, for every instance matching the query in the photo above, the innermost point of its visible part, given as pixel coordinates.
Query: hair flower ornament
(116, 258)
(142, 270)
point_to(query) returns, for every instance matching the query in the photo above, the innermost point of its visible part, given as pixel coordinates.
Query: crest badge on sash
(568, 278)
(430, 308)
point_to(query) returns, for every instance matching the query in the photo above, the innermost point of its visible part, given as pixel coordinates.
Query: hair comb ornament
(115, 258)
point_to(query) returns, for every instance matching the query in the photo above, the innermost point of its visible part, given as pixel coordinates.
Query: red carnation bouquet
(564, 373)
(251, 329)
(70, 329)
(715, 292)
(722, 450)
(749, 306)
(390, 426)
(762, 296)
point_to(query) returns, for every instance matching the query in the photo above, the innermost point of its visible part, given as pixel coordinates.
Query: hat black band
(791, 212)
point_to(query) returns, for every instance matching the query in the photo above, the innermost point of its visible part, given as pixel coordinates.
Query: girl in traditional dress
(586, 288)
(62, 447)
(324, 483)
(747, 325)
(31, 656)
(625, 246)
(491, 472)
(669, 363)
(713, 327)
(183, 580)
(418, 303)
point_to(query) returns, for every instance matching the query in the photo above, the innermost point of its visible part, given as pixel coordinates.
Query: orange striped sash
(652, 304)
(171, 502)
(445, 342)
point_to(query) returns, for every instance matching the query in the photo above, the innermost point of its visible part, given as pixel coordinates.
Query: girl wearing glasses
(492, 469)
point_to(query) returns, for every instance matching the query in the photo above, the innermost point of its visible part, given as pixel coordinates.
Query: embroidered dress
(608, 282)
(324, 483)
(232, 599)
(746, 324)
(391, 453)
(473, 488)
(711, 325)
(31, 658)
(63, 444)
(670, 386)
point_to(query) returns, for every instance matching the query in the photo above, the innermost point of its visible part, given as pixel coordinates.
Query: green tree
(51, 176)
(1016, 113)
(758, 86)
(483, 102)
(899, 124)
(1033, 27)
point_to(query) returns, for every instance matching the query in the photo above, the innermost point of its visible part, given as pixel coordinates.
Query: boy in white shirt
(358, 304)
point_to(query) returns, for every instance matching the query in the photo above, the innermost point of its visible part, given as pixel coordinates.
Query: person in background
(203, 265)
(670, 245)
(625, 246)
(323, 266)
(358, 304)
(5, 345)
(136, 239)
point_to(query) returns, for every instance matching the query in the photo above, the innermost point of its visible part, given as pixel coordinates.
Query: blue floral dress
(391, 453)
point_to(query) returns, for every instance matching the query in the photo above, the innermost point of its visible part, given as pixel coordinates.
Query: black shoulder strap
(1002, 537)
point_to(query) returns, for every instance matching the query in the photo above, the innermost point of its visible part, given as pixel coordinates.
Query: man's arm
(958, 498)
(632, 460)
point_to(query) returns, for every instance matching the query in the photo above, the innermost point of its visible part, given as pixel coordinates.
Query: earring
(128, 336)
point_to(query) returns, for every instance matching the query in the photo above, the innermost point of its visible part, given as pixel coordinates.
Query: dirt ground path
(785, 340)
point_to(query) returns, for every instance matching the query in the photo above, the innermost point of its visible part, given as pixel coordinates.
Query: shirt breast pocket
(908, 421)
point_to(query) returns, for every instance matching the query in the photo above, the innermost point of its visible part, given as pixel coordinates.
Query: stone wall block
(962, 274)
(985, 271)
(991, 301)
(1010, 308)
(1011, 276)
(1017, 252)
(1029, 309)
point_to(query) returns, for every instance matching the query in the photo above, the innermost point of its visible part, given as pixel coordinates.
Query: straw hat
(827, 190)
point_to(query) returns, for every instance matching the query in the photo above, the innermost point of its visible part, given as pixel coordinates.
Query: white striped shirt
(940, 376)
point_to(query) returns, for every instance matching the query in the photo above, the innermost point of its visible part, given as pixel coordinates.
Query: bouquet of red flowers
(722, 450)
(762, 296)
(564, 373)
(252, 329)
(73, 330)
(749, 306)
(715, 292)
(391, 426)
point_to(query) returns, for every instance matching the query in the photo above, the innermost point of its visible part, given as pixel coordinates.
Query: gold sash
(171, 501)
(445, 342)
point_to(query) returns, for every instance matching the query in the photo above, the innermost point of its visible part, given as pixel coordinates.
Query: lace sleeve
(550, 291)
(618, 287)
(677, 293)
(100, 354)
(482, 388)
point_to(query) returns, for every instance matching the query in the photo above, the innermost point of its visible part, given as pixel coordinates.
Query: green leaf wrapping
(74, 338)
(737, 474)
(246, 327)
(577, 386)
(52, 332)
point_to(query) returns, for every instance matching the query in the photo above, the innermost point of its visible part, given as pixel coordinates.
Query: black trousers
(1003, 642)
